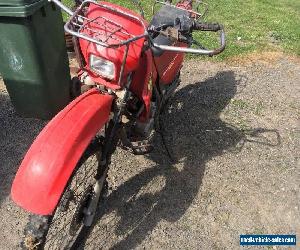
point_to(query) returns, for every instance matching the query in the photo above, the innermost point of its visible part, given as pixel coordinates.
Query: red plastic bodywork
(143, 80)
(54, 154)
(105, 28)
(141, 63)
(169, 64)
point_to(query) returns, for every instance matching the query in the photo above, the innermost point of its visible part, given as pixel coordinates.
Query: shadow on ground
(16, 135)
(194, 134)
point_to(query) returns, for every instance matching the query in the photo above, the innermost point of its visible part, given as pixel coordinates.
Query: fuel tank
(168, 64)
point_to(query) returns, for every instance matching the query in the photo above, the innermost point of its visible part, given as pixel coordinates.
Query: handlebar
(207, 26)
(212, 27)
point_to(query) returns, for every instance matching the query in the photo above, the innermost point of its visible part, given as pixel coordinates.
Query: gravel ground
(233, 133)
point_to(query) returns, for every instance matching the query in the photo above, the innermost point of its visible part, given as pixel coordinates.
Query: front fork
(110, 143)
(109, 147)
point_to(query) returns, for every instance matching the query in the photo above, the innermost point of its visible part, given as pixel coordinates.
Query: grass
(251, 25)
(238, 103)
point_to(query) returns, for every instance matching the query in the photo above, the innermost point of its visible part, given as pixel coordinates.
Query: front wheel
(60, 230)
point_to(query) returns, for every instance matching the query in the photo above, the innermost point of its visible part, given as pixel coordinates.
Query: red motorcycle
(128, 70)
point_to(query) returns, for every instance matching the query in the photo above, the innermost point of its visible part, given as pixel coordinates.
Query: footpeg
(138, 146)
(141, 147)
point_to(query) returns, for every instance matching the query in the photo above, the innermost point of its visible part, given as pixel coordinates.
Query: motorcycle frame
(46, 168)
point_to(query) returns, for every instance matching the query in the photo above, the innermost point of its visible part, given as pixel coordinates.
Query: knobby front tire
(60, 230)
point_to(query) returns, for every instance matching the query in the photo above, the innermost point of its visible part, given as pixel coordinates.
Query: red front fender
(52, 157)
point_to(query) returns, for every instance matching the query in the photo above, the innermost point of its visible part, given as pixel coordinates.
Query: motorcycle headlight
(102, 67)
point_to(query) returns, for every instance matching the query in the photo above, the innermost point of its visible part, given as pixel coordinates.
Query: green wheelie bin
(33, 57)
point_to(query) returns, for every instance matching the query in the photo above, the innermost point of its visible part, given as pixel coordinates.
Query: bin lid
(17, 2)
(20, 8)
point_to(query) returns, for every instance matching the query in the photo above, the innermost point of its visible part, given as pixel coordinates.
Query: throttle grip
(207, 26)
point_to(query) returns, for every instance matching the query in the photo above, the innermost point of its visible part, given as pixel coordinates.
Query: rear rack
(82, 27)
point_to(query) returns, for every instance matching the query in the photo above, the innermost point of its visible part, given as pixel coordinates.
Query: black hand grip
(207, 26)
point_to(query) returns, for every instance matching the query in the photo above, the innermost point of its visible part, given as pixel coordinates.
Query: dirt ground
(233, 131)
